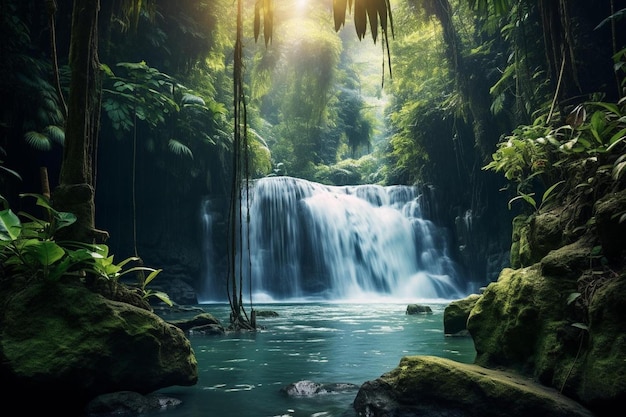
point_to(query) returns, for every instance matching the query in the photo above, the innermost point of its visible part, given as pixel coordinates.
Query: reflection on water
(241, 374)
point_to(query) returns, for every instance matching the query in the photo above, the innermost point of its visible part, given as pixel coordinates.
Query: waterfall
(312, 241)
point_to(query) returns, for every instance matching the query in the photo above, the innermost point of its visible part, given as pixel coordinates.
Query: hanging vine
(239, 319)
(378, 14)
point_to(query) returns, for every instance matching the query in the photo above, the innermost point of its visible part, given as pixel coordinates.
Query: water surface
(241, 374)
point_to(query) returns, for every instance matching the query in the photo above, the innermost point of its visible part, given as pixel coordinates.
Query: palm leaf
(55, 133)
(360, 18)
(10, 171)
(339, 13)
(179, 148)
(38, 140)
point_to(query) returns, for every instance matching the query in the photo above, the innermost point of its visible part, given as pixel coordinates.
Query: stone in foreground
(433, 386)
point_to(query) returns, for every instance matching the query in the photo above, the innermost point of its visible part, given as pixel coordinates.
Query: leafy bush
(588, 150)
(29, 250)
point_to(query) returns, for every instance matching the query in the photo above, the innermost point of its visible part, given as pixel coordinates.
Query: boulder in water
(455, 315)
(418, 309)
(309, 388)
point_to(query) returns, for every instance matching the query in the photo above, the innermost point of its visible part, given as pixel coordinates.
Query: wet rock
(128, 402)
(429, 386)
(199, 322)
(455, 316)
(418, 309)
(266, 313)
(308, 388)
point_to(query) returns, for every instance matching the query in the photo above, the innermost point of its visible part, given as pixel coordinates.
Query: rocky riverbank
(549, 334)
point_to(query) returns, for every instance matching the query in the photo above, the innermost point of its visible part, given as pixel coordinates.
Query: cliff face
(559, 317)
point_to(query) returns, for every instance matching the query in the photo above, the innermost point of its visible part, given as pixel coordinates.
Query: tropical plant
(29, 249)
(589, 147)
(4, 169)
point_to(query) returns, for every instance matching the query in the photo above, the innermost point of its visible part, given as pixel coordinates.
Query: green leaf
(548, 192)
(55, 133)
(573, 297)
(45, 252)
(107, 70)
(530, 200)
(64, 219)
(611, 107)
(42, 200)
(127, 260)
(10, 225)
(150, 277)
(526, 197)
(10, 171)
(161, 296)
(616, 139)
(596, 250)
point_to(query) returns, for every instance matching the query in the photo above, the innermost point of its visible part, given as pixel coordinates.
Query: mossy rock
(570, 260)
(599, 377)
(508, 321)
(546, 233)
(202, 319)
(611, 230)
(455, 315)
(433, 386)
(65, 342)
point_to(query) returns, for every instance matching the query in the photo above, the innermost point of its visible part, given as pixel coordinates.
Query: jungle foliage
(533, 90)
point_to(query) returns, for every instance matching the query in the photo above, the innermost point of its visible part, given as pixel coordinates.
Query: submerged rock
(128, 402)
(203, 323)
(309, 388)
(266, 313)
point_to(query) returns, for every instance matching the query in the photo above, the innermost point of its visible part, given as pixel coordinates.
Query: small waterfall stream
(310, 241)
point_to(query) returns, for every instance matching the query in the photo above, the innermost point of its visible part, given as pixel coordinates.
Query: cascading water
(312, 241)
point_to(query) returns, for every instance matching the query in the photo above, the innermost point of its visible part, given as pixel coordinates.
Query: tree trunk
(75, 192)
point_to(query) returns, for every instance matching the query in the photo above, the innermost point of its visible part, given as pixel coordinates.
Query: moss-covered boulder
(597, 374)
(564, 330)
(433, 386)
(199, 320)
(610, 224)
(455, 315)
(517, 318)
(536, 235)
(67, 343)
(520, 251)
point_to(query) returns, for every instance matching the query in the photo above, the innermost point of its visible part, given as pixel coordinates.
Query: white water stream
(315, 242)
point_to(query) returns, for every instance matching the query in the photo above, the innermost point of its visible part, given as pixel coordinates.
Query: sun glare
(301, 3)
